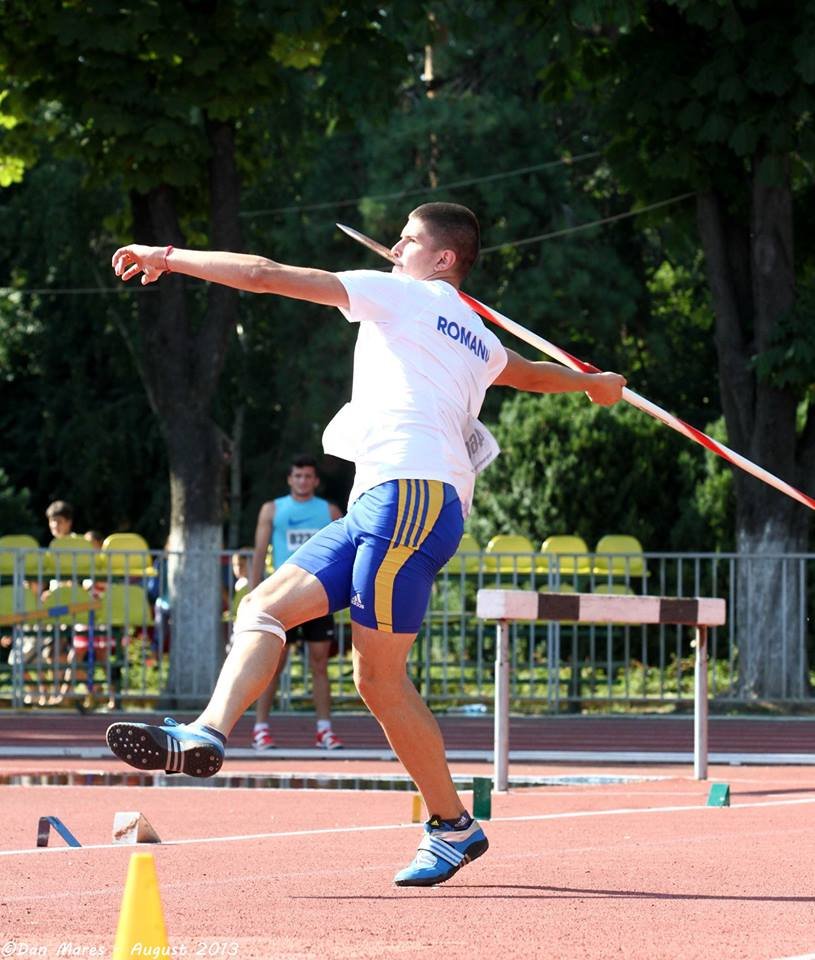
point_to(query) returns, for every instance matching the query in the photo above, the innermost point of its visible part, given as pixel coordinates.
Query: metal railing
(122, 657)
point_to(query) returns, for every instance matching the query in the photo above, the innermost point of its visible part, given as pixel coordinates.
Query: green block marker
(719, 795)
(482, 798)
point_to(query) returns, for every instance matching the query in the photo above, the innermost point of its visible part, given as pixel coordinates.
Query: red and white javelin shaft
(635, 399)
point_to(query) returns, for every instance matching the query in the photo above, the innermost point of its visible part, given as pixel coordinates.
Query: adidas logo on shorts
(356, 601)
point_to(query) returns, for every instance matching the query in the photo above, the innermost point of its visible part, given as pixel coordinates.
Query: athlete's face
(419, 256)
(303, 481)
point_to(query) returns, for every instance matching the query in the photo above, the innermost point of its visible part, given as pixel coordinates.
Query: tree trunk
(235, 475)
(752, 280)
(181, 366)
(769, 611)
(194, 569)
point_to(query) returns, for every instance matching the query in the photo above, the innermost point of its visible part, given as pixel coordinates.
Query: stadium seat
(571, 551)
(508, 553)
(470, 562)
(616, 588)
(557, 588)
(125, 606)
(126, 555)
(10, 544)
(619, 555)
(12, 601)
(63, 596)
(72, 557)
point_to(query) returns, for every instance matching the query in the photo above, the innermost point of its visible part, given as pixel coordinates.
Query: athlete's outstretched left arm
(244, 271)
(544, 377)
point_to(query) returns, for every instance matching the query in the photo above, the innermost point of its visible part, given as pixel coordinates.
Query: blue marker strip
(44, 831)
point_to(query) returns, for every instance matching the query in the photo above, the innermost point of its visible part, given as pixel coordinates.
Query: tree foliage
(570, 467)
(718, 98)
(311, 129)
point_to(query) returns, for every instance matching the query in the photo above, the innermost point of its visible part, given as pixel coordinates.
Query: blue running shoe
(442, 852)
(174, 748)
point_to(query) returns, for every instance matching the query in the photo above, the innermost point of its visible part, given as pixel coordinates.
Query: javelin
(640, 402)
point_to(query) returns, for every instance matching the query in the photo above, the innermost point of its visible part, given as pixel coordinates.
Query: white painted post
(501, 743)
(700, 706)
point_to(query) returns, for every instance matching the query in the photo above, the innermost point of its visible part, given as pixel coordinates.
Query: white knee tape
(258, 622)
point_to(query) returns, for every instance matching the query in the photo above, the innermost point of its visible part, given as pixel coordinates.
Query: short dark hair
(455, 227)
(303, 460)
(60, 508)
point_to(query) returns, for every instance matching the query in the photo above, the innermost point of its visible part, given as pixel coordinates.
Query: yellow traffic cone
(141, 921)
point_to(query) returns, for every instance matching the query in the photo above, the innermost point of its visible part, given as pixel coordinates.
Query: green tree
(717, 97)
(15, 510)
(169, 102)
(74, 418)
(568, 466)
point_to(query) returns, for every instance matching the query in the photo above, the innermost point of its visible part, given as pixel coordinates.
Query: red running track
(648, 734)
(633, 870)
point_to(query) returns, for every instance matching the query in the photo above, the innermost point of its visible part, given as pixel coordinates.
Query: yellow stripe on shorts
(409, 533)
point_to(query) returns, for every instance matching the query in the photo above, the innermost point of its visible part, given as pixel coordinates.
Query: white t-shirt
(422, 364)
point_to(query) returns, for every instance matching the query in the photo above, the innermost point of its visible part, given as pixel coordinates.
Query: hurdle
(48, 613)
(44, 614)
(505, 606)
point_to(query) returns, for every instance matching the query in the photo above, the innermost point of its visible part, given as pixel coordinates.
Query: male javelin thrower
(422, 364)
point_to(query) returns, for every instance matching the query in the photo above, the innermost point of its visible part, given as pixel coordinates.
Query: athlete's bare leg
(320, 687)
(290, 595)
(264, 705)
(381, 677)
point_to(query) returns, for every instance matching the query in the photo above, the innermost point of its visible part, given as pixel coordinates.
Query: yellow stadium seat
(126, 606)
(572, 556)
(629, 560)
(616, 588)
(13, 601)
(508, 553)
(126, 555)
(71, 557)
(471, 562)
(13, 542)
(64, 596)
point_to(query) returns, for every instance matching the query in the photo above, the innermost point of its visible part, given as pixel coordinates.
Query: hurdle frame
(505, 606)
(17, 621)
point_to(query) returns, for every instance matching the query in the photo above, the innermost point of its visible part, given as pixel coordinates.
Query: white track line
(324, 831)
(484, 756)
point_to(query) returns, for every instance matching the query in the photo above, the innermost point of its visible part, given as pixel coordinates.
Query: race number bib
(296, 537)
(482, 447)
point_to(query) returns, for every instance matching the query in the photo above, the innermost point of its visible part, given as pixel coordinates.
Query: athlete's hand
(606, 388)
(136, 258)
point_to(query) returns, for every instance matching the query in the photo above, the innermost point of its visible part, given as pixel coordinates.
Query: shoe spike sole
(139, 747)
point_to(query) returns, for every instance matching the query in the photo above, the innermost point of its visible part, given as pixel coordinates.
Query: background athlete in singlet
(286, 523)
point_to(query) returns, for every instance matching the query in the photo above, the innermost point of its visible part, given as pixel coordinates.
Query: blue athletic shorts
(381, 559)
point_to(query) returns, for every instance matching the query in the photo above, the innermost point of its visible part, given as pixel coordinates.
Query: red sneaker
(263, 740)
(328, 740)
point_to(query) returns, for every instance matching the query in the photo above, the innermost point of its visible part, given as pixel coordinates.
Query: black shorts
(313, 631)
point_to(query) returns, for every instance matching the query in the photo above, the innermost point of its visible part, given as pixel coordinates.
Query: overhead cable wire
(415, 191)
(540, 238)
(585, 226)
(60, 291)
